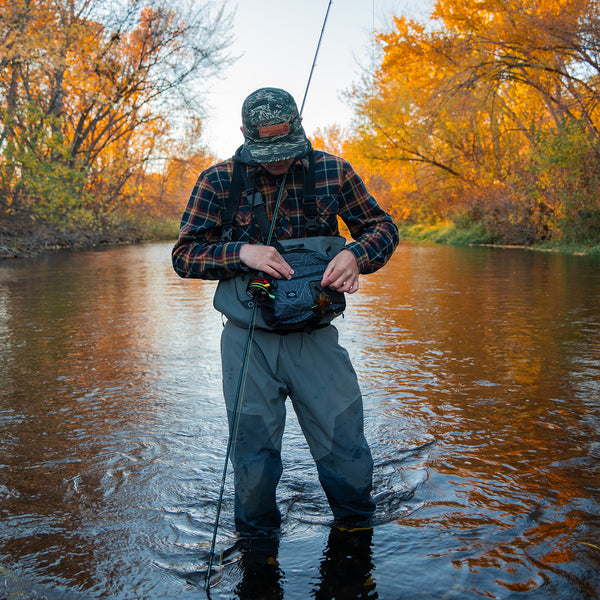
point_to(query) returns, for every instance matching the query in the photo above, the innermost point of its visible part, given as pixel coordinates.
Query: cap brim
(266, 152)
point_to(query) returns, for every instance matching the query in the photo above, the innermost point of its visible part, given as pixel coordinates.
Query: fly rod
(315, 58)
(248, 344)
(237, 403)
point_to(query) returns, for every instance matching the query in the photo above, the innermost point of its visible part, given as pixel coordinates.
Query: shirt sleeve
(199, 251)
(374, 233)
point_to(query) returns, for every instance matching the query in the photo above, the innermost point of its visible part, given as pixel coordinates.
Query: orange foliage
(477, 112)
(90, 102)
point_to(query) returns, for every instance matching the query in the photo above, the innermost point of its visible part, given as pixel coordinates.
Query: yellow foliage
(478, 99)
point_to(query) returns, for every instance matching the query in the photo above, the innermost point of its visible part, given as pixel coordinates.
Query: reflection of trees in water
(89, 337)
(491, 352)
(111, 425)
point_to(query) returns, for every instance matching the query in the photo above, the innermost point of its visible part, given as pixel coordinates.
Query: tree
(470, 109)
(91, 91)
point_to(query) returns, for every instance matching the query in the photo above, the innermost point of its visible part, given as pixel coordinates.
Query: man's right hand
(265, 259)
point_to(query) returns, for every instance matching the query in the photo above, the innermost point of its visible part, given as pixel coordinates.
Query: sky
(276, 41)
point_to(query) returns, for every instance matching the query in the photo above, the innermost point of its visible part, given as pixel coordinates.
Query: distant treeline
(486, 115)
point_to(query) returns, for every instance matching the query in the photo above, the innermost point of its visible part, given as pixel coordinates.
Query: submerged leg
(346, 472)
(328, 403)
(256, 447)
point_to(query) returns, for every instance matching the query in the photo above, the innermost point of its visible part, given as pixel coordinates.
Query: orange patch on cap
(271, 130)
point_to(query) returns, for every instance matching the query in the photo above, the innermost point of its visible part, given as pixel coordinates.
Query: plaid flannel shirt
(200, 252)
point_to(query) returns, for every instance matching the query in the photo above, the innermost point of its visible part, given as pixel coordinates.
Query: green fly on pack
(259, 289)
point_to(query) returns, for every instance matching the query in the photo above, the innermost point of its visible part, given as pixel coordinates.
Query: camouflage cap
(272, 126)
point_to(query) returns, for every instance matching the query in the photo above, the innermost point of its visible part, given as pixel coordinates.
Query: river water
(480, 370)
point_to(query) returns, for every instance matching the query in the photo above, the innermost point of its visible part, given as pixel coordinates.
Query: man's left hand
(341, 273)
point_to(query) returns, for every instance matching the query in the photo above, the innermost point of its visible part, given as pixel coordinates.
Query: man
(307, 365)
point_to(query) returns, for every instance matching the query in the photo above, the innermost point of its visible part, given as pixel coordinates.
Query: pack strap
(257, 204)
(259, 212)
(232, 204)
(309, 200)
(240, 180)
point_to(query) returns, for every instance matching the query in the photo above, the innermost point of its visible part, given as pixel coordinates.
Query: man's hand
(265, 259)
(341, 273)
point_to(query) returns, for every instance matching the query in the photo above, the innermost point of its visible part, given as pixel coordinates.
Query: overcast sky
(277, 39)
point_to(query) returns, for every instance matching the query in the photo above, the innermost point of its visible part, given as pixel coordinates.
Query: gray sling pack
(298, 304)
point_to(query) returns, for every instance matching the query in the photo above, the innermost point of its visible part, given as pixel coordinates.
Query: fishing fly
(322, 303)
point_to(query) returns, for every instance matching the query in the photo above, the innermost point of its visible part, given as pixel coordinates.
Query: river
(480, 371)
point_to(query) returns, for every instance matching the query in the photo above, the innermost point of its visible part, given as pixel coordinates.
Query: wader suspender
(240, 179)
(309, 200)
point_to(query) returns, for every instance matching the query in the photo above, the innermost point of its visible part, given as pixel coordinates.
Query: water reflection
(345, 568)
(262, 577)
(481, 377)
(347, 565)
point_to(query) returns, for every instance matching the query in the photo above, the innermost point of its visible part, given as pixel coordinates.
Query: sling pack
(297, 304)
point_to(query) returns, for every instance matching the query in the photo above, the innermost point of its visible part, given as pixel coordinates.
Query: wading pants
(315, 372)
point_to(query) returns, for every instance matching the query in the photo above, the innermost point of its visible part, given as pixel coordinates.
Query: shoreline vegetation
(32, 241)
(29, 242)
(474, 125)
(451, 234)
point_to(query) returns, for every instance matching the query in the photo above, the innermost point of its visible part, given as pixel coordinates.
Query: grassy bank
(449, 233)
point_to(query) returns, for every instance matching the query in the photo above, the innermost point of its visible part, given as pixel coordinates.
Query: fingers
(342, 274)
(352, 286)
(265, 259)
(349, 287)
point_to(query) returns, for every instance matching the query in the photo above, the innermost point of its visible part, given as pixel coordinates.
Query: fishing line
(261, 286)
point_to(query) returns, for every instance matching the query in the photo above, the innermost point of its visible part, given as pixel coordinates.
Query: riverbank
(29, 241)
(450, 234)
(25, 240)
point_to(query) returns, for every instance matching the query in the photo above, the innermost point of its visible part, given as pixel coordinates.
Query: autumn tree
(91, 91)
(490, 112)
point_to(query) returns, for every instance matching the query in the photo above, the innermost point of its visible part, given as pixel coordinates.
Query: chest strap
(309, 200)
